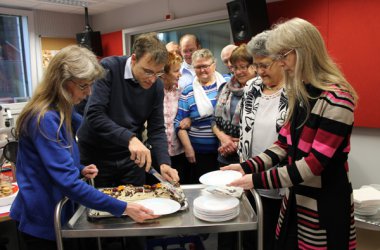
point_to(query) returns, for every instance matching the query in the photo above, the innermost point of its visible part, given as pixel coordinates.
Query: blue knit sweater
(46, 172)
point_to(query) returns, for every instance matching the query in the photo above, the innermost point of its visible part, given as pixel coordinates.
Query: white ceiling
(69, 6)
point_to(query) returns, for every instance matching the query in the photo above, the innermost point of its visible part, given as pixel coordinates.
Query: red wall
(112, 44)
(351, 30)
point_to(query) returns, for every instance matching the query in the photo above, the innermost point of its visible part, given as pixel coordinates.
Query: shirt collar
(185, 67)
(128, 69)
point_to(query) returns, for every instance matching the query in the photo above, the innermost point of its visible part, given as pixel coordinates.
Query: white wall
(150, 12)
(364, 157)
(57, 24)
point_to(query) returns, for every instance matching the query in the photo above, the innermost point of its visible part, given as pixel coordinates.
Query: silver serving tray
(93, 214)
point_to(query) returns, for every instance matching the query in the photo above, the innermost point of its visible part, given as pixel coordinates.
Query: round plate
(160, 206)
(219, 177)
(213, 204)
(215, 219)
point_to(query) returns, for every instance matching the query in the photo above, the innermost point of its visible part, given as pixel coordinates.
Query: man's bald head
(187, 45)
(226, 53)
(173, 47)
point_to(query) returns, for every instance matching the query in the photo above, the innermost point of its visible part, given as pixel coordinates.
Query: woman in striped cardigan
(317, 210)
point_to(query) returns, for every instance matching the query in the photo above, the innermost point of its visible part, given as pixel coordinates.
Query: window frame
(176, 23)
(31, 62)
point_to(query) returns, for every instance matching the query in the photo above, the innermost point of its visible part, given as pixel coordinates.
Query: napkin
(367, 196)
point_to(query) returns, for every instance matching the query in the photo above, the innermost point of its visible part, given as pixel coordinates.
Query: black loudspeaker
(91, 40)
(247, 18)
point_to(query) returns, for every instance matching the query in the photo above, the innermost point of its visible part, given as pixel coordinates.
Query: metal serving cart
(179, 223)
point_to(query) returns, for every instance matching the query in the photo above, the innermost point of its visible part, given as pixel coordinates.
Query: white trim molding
(33, 62)
(202, 18)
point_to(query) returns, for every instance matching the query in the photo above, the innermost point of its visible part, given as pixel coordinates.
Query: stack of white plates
(215, 208)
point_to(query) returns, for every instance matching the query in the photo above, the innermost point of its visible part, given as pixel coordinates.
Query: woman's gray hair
(202, 53)
(70, 63)
(257, 45)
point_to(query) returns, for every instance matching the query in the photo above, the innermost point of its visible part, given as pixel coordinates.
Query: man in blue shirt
(188, 43)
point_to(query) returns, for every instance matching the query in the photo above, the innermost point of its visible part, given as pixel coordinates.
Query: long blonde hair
(71, 63)
(313, 64)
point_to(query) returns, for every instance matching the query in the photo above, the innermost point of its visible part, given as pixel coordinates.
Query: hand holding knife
(169, 185)
(172, 173)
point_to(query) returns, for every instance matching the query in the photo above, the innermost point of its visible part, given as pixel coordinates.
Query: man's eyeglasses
(263, 65)
(205, 66)
(188, 51)
(81, 86)
(241, 68)
(150, 73)
(282, 56)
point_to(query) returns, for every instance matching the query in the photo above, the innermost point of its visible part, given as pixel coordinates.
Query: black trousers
(113, 173)
(30, 242)
(204, 163)
(180, 163)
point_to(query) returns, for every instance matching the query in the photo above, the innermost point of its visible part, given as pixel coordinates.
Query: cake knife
(170, 186)
(159, 177)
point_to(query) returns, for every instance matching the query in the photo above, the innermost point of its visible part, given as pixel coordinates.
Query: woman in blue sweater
(48, 166)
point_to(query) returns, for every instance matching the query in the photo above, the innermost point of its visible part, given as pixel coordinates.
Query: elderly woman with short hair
(197, 102)
(264, 107)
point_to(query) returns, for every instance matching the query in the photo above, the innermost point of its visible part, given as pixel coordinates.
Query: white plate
(8, 200)
(215, 219)
(160, 206)
(219, 177)
(366, 211)
(209, 203)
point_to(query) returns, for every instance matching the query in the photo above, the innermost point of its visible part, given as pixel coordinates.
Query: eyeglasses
(284, 55)
(188, 51)
(241, 68)
(150, 73)
(81, 86)
(205, 66)
(263, 65)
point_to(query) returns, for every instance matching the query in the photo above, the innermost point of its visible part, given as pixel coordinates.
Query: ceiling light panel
(71, 2)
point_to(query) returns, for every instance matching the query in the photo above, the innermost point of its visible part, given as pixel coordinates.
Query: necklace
(277, 87)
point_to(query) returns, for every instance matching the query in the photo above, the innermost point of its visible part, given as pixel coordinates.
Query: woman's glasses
(263, 65)
(282, 56)
(205, 66)
(82, 86)
(241, 68)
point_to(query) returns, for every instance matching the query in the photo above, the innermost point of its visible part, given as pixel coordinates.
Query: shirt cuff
(246, 167)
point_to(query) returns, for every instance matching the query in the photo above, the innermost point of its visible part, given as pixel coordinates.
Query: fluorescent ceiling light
(68, 2)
